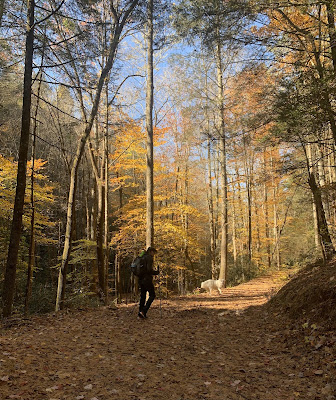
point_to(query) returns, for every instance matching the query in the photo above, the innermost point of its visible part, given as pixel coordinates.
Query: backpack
(138, 267)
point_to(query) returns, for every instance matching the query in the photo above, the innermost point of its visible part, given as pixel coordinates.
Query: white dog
(212, 284)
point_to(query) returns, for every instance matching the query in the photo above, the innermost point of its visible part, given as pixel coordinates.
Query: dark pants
(145, 287)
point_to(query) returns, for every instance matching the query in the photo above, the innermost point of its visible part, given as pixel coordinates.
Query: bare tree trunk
(275, 220)
(99, 237)
(257, 224)
(32, 242)
(149, 128)
(2, 7)
(266, 214)
(234, 228)
(118, 276)
(210, 194)
(330, 5)
(324, 238)
(106, 213)
(249, 207)
(211, 214)
(216, 203)
(326, 242)
(224, 220)
(241, 217)
(316, 231)
(14, 241)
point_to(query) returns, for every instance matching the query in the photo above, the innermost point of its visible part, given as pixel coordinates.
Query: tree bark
(149, 129)
(224, 212)
(2, 7)
(234, 228)
(106, 213)
(330, 4)
(266, 214)
(249, 206)
(15, 235)
(211, 214)
(326, 242)
(275, 220)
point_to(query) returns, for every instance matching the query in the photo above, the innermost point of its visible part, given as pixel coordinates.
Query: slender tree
(149, 128)
(14, 242)
(2, 7)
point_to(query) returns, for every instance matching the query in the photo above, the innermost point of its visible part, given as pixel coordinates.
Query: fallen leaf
(88, 387)
(318, 372)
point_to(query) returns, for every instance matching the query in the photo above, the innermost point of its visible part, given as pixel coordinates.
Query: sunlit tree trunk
(211, 213)
(217, 199)
(249, 205)
(257, 224)
(315, 219)
(276, 235)
(240, 220)
(234, 228)
(106, 211)
(222, 139)
(149, 129)
(325, 241)
(266, 212)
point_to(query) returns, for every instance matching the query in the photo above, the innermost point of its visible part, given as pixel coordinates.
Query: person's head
(151, 251)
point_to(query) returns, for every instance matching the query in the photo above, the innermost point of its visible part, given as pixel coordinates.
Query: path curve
(218, 347)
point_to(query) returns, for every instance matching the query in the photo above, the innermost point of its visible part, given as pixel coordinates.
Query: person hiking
(146, 282)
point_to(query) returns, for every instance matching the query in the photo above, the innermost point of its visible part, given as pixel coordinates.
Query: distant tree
(2, 6)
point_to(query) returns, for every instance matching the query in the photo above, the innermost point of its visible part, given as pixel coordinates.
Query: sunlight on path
(201, 349)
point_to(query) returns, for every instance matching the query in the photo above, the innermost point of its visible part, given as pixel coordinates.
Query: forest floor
(224, 347)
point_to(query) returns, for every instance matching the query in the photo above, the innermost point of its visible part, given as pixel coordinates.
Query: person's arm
(150, 266)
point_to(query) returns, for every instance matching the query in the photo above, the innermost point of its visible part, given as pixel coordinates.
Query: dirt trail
(203, 347)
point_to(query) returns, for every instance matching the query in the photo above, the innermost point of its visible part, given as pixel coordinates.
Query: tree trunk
(316, 230)
(330, 4)
(211, 214)
(2, 7)
(249, 207)
(275, 220)
(106, 213)
(234, 228)
(99, 239)
(31, 258)
(266, 214)
(149, 129)
(326, 243)
(15, 235)
(224, 219)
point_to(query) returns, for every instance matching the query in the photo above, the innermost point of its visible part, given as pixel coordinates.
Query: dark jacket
(148, 269)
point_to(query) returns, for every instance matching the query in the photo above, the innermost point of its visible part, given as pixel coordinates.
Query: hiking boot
(141, 315)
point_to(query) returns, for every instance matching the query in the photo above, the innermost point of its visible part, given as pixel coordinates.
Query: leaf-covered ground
(223, 347)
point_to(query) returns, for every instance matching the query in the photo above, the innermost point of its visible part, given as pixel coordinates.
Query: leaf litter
(223, 347)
